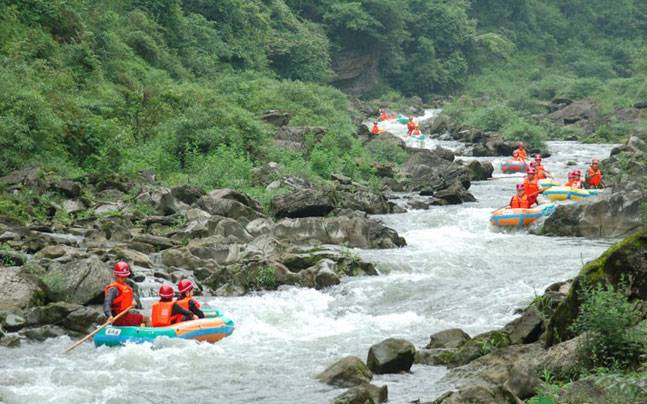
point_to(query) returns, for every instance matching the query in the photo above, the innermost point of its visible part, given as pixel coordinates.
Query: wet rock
(347, 372)
(326, 275)
(19, 290)
(527, 328)
(13, 322)
(363, 394)
(435, 357)
(53, 313)
(392, 355)
(80, 281)
(42, 333)
(480, 171)
(302, 203)
(360, 232)
(451, 338)
(455, 194)
(10, 341)
(478, 346)
(83, 319)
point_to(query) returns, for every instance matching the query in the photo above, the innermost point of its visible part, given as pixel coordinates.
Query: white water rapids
(455, 272)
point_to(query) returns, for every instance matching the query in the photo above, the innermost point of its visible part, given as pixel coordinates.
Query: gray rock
(131, 256)
(80, 281)
(44, 332)
(392, 355)
(71, 206)
(187, 193)
(10, 341)
(160, 243)
(71, 189)
(480, 171)
(524, 380)
(107, 208)
(13, 322)
(225, 204)
(259, 227)
(19, 290)
(302, 203)
(347, 372)
(363, 394)
(451, 338)
(326, 275)
(527, 328)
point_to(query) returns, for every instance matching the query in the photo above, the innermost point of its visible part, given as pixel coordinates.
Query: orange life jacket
(124, 298)
(594, 177)
(517, 158)
(184, 303)
(541, 173)
(375, 130)
(522, 153)
(573, 184)
(531, 189)
(411, 125)
(519, 203)
(162, 314)
(383, 116)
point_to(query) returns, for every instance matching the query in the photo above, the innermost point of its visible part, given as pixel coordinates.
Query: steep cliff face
(356, 73)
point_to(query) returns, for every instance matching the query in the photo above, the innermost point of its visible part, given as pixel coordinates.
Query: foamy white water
(455, 272)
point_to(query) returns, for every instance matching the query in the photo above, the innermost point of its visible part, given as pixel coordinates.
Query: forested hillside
(178, 86)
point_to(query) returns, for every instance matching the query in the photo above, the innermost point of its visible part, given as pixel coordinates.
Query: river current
(457, 271)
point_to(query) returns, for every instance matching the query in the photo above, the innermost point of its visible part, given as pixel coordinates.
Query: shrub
(611, 338)
(531, 134)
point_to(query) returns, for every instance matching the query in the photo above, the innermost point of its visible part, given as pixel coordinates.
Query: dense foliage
(179, 85)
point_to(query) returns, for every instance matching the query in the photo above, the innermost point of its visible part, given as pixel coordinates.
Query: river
(455, 272)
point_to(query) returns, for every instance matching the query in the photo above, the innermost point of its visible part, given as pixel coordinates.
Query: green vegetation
(612, 337)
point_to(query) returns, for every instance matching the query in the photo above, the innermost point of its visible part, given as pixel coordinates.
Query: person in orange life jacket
(186, 300)
(119, 297)
(383, 115)
(375, 130)
(541, 171)
(593, 177)
(572, 180)
(520, 200)
(416, 132)
(166, 312)
(515, 156)
(531, 187)
(576, 181)
(522, 151)
(411, 125)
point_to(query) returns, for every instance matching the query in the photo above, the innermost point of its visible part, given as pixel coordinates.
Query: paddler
(383, 115)
(593, 177)
(375, 130)
(531, 186)
(522, 151)
(411, 125)
(515, 156)
(541, 171)
(520, 200)
(119, 296)
(166, 311)
(574, 179)
(186, 300)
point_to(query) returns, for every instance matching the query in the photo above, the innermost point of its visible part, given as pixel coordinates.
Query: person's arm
(177, 309)
(194, 309)
(135, 288)
(107, 302)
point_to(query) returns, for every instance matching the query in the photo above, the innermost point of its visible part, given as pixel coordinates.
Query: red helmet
(122, 269)
(166, 291)
(595, 162)
(184, 286)
(537, 157)
(532, 171)
(533, 164)
(520, 144)
(519, 187)
(571, 174)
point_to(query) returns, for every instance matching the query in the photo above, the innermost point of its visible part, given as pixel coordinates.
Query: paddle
(107, 323)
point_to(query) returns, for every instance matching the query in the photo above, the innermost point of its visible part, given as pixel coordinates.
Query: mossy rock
(478, 346)
(625, 261)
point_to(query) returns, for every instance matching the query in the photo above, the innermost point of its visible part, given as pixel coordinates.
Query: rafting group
(412, 126)
(524, 207)
(170, 317)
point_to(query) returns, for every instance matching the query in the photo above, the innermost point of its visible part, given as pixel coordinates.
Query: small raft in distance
(508, 217)
(212, 328)
(511, 167)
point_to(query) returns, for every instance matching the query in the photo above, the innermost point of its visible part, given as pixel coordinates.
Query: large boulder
(574, 112)
(231, 204)
(623, 265)
(363, 394)
(79, 281)
(188, 194)
(360, 232)
(69, 316)
(346, 372)
(480, 171)
(302, 203)
(451, 338)
(455, 194)
(527, 328)
(393, 355)
(19, 289)
(608, 215)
